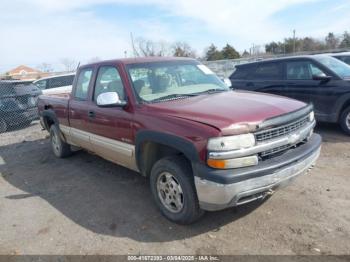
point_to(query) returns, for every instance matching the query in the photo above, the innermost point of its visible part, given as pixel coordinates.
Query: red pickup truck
(202, 145)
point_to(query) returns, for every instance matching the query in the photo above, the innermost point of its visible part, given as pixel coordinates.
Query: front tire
(174, 191)
(345, 120)
(60, 148)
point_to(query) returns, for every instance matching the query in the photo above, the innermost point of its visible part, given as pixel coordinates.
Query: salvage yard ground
(86, 205)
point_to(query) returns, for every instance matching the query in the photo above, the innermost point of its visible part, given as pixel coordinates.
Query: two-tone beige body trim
(113, 150)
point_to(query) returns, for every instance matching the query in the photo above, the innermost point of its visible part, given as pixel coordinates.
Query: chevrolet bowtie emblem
(293, 138)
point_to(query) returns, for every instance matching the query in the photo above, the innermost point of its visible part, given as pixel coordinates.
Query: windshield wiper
(210, 91)
(172, 96)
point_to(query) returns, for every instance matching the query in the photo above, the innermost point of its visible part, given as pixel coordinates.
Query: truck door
(111, 131)
(79, 105)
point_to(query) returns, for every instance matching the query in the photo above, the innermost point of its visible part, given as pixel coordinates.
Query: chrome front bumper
(215, 196)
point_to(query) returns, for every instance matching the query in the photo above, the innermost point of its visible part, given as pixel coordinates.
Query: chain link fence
(18, 105)
(224, 68)
(18, 99)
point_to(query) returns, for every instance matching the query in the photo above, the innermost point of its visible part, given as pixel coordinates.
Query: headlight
(227, 143)
(312, 116)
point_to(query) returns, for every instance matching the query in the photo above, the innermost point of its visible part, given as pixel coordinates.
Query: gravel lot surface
(86, 205)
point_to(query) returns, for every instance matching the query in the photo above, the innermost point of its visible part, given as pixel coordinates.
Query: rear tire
(345, 120)
(60, 148)
(174, 191)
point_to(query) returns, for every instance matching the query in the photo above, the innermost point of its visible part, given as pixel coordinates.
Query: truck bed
(58, 103)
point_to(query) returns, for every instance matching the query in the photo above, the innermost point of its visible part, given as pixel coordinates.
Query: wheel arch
(49, 118)
(152, 146)
(343, 103)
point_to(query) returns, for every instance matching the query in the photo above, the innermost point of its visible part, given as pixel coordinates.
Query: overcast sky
(37, 31)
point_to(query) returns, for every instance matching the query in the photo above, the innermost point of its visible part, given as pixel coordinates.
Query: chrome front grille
(281, 130)
(274, 151)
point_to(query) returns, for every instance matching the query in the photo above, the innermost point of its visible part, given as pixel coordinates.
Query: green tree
(345, 43)
(229, 52)
(183, 49)
(274, 48)
(213, 53)
(311, 44)
(245, 53)
(332, 42)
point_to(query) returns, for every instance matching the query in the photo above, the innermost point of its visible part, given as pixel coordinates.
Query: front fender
(180, 144)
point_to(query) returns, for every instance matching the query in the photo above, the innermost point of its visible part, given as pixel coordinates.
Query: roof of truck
(140, 60)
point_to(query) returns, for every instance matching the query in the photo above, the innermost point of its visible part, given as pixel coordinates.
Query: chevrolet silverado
(202, 145)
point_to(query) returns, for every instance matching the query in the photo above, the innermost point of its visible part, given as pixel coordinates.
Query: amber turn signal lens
(233, 163)
(215, 163)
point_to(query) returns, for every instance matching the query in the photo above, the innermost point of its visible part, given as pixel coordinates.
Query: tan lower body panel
(115, 151)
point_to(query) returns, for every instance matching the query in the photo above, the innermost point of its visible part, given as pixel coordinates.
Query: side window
(41, 84)
(109, 80)
(298, 71)
(316, 71)
(240, 73)
(60, 81)
(54, 82)
(302, 70)
(346, 59)
(70, 80)
(271, 71)
(82, 87)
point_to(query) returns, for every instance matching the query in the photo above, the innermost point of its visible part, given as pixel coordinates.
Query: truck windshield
(159, 81)
(338, 67)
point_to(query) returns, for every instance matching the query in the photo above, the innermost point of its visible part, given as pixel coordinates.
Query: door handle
(91, 114)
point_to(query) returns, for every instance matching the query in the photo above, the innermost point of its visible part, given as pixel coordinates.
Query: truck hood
(230, 112)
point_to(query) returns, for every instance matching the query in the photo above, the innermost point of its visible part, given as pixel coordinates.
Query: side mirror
(227, 82)
(110, 99)
(322, 78)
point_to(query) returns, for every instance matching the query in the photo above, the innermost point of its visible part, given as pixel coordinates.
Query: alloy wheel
(347, 121)
(55, 143)
(170, 192)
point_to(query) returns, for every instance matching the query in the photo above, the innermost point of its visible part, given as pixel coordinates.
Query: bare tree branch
(69, 64)
(45, 67)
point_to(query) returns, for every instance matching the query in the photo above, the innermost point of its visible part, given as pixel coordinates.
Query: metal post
(294, 41)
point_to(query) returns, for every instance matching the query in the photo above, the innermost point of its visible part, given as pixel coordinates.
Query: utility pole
(294, 41)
